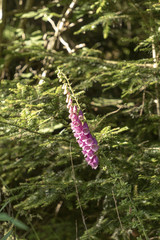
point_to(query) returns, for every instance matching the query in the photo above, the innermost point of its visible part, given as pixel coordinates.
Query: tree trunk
(3, 8)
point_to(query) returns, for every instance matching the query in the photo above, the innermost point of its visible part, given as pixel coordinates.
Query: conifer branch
(113, 170)
(112, 62)
(20, 127)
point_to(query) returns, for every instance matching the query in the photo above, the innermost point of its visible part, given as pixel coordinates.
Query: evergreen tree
(107, 54)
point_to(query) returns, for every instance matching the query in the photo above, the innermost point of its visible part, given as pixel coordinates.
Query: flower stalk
(79, 126)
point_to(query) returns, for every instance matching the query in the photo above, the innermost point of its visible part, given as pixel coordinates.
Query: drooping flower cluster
(81, 132)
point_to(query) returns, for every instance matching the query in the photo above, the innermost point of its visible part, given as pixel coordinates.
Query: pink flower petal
(77, 123)
(80, 115)
(73, 117)
(94, 162)
(78, 130)
(94, 147)
(81, 144)
(86, 131)
(95, 141)
(69, 104)
(71, 109)
(84, 137)
(85, 125)
(90, 154)
(84, 153)
(86, 148)
(75, 109)
(89, 141)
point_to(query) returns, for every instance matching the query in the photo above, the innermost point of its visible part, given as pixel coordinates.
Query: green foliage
(7, 235)
(15, 222)
(108, 51)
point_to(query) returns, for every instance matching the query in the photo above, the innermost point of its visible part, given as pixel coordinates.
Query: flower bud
(80, 115)
(75, 109)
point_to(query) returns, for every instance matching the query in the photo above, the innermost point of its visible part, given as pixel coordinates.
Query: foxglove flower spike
(81, 132)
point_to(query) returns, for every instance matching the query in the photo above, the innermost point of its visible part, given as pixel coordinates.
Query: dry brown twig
(143, 102)
(60, 26)
(69, 50)
(107, 115)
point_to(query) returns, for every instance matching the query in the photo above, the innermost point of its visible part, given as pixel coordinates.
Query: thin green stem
(77, 193)
(62, 77)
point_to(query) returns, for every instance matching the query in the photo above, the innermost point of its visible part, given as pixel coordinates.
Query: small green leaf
(4, 217)
(7, 235)
(19, 224)
(5, 204)
(26, 75)
(29, 14)
(105, 31)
